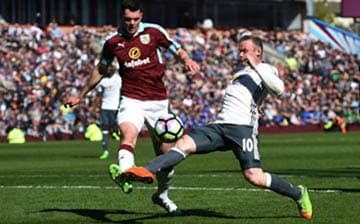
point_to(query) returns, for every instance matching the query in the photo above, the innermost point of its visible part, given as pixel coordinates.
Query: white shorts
(141, 112)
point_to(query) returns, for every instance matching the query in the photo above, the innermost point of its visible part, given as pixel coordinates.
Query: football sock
(164, 178)
(105, 141)
(169, 159)
(280, 186)
(126, 157)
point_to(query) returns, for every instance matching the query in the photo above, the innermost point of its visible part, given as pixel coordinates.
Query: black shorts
(108, 117)
(223, 137)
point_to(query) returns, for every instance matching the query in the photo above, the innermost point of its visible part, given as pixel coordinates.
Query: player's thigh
(245, 145)
(131, 111)
(108, 117)
(208, 138)
(153, 110)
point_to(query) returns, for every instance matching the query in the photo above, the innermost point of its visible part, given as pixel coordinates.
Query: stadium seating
(38, 67)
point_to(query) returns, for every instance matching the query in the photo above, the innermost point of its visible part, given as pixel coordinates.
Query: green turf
(65, 182)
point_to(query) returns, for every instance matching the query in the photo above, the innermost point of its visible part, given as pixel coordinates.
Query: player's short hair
(257, 41)
(132, 5)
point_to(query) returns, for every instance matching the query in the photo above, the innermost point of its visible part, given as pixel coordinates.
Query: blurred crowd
(39, 67)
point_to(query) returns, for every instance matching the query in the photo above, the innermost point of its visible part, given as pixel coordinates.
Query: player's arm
(268, 73)
(94, 79)
(188, 62)
(91, 83)
(165, 41)
(269, 76)
(102, 69)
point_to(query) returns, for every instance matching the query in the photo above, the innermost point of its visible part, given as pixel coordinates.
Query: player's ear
(258, 52)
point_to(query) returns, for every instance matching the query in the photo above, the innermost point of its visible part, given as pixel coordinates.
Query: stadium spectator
(33, 66)
(16, 136)
(93, 132)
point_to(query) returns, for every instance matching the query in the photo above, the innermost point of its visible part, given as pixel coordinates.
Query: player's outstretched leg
(115, 175)
(304, 203)
(139, 174)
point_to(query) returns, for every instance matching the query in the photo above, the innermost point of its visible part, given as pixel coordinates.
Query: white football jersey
(111, 92)
(246, 92)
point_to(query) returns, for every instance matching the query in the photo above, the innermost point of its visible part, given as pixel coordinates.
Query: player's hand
(192, 66)
(72, 101)
(261, 110)
(251, 60)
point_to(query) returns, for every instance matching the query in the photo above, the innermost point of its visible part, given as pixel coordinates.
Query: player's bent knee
(186, 144)
(254, 177)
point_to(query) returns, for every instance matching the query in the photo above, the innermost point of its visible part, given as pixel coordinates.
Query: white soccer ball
(169, 128)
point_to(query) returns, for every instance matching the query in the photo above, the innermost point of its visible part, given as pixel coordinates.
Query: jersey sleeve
(166, 41)
(100, 86)
(107, 55)
(270, 78)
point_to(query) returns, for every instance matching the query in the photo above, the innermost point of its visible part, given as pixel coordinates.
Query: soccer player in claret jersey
(143, 95)
(235, 129)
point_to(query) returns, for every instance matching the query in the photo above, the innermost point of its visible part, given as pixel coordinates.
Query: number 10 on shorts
(250, 145)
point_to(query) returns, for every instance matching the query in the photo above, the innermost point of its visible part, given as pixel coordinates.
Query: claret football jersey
(141, 64)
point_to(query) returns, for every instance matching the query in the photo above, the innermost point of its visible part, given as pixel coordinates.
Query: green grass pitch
(66, 183)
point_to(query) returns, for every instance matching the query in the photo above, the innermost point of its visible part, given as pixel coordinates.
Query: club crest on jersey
(145, 39)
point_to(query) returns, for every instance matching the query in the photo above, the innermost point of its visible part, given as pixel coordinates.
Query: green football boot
(114, 172)
(104, 155)
(304, 203)
(116, 136)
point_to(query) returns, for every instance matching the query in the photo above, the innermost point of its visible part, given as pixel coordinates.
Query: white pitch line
(150, 188)
(176, 175)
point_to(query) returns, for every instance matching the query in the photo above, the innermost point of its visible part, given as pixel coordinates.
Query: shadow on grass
(100, 215)
(97, 214)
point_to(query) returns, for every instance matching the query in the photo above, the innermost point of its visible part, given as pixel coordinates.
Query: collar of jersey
(246, 70)
(140, 29)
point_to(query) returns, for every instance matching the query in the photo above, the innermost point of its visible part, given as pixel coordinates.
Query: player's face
(131, 21)
(248, 49)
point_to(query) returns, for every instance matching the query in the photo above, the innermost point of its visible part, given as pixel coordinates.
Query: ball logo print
(169, 128)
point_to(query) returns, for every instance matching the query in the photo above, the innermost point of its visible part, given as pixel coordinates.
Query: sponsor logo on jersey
(138, 62)
(145, 39)
(134, 53)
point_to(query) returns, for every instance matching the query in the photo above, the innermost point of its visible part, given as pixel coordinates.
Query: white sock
(268, 180)
(164, 180)
(125, 159)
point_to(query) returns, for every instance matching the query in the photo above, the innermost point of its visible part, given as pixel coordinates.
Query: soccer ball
(169, 128)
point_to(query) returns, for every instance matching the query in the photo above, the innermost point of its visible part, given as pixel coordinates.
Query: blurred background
(48, 49)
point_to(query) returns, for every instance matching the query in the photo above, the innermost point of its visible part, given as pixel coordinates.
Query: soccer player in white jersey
(235, 129)
(110, 88)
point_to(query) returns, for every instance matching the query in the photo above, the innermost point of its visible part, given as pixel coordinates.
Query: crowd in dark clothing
(38, 68)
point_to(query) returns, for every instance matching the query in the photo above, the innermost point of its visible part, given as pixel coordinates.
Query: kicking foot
(140, 174)
(115, 175)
